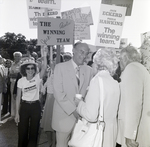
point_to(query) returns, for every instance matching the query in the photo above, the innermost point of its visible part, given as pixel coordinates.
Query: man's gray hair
(17, 53)
(132, 53)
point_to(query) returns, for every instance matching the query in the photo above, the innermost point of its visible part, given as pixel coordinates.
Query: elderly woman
(105, 65)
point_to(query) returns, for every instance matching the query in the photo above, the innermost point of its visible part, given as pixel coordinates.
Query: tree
(11, 43)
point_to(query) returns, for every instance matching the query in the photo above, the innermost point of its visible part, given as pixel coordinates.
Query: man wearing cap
(67, 56)
(13, 75)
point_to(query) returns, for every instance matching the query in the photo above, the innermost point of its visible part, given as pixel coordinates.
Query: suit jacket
(91, 107)
(134, 111)
(65, 88)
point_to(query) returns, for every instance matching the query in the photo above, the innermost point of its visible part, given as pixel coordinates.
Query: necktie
(78, 74)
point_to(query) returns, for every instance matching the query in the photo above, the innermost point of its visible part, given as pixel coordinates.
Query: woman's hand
(44, 51)
(17, 118)
(131, 143)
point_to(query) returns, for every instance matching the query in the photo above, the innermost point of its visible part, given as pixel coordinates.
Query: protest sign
(110, 26)
(124, 3)
(35, 12)
(53, 4)
(81, 32)
(79, 15)
(82, 18)
(145, 50)
(54, 31)
(144, 36)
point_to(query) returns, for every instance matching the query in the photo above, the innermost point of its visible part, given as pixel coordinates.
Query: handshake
(78, 98)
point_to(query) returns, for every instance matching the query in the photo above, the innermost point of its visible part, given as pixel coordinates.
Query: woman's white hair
(106, 59)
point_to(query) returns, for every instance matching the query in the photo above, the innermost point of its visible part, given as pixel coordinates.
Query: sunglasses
(28, 68)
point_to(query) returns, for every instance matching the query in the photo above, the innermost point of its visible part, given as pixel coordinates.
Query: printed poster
(83, 19)
(124, 3)
(110, 25)
(145, 50)
(35, 12)
(54, 31)
(53, 4)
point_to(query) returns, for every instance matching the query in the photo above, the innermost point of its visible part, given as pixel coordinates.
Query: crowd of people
(42, 94)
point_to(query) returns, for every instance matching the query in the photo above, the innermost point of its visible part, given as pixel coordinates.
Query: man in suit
(134, 110)
(66, 86)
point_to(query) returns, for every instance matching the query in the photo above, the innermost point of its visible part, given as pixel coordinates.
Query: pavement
(9, 133)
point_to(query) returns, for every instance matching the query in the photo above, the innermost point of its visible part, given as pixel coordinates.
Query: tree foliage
(11, 42)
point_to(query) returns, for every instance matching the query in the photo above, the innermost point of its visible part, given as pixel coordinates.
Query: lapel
(71, 73)
(82, 72)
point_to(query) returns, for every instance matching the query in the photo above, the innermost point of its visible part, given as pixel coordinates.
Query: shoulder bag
(87, 134)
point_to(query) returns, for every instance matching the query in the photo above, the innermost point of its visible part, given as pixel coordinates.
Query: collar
(74, 64)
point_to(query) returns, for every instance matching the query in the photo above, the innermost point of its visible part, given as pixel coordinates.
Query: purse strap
(101, 118)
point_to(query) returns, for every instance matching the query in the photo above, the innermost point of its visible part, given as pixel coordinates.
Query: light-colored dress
(91, 107)
(48, 109)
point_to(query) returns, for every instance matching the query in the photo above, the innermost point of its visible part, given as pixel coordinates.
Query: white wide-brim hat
(27, 61)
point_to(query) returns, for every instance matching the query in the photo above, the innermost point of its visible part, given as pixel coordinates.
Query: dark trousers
(28, 127)
(7, 101)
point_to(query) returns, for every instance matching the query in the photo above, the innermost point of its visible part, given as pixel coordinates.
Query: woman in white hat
(28, 108)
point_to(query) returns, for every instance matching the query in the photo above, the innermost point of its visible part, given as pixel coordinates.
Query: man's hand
(76, 100)
(131, 143)
(76, 115)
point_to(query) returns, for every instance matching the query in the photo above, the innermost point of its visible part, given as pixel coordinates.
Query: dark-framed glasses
(28, 68)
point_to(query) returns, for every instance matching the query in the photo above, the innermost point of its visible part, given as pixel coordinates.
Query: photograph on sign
(110, 25)
(54, 31)
(123, 43)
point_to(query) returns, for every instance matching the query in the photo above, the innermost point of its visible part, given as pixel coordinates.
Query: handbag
(88, 134)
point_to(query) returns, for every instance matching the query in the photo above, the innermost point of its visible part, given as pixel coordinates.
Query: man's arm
(132, 87)
(59, 93)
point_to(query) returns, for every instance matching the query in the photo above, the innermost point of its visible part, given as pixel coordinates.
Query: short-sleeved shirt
(30, 88)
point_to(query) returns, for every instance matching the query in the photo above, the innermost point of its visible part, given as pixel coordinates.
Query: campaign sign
(55, 31)
(145, 50)
(110, 25)
(81, 32)
(35, 12)
(83, 19)
(123, 3)
(79, 15)
(53, 4)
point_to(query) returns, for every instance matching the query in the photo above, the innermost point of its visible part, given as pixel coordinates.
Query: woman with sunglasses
(28, 108)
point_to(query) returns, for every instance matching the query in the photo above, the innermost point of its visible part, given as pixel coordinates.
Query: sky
(14, 19)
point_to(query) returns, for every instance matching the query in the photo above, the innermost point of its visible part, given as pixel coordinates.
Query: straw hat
(27, 61)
